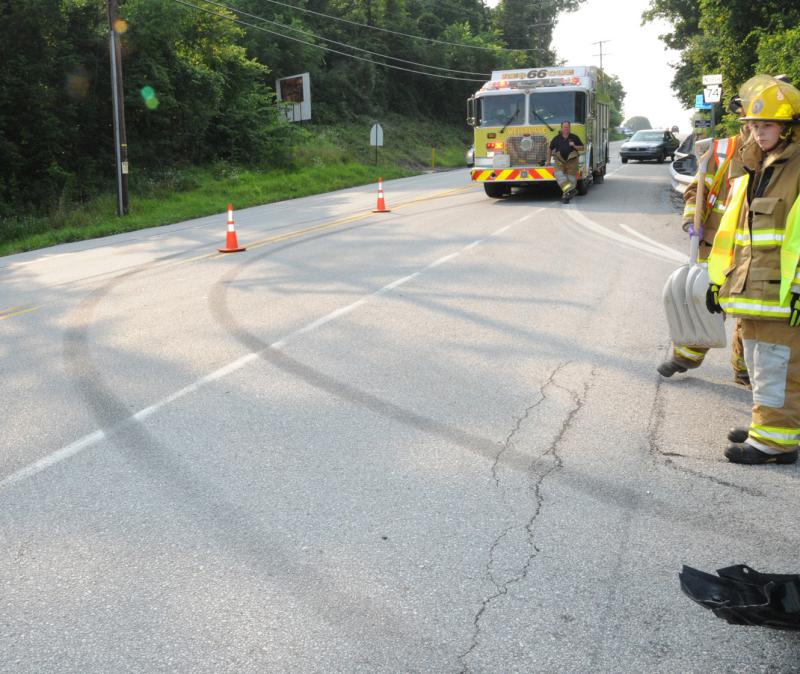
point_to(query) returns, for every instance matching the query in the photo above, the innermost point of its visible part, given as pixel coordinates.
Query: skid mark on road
(119, 422)
(166, 262)
(647, 245)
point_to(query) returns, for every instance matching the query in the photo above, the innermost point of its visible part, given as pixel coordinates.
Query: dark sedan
(649, 144)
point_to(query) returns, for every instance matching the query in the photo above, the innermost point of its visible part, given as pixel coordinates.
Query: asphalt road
(431, 440)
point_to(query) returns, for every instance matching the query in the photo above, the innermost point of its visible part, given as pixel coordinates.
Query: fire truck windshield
(505, 110)
(554, 107)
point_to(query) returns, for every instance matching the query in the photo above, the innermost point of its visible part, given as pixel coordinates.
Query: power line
(341, 44)
(414, 37)
(317, 46)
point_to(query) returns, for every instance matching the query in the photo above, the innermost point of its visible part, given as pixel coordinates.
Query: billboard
(294, 92)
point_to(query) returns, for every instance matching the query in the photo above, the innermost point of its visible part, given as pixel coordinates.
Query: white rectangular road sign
(712, 94)
(711, 79)
(376, 135)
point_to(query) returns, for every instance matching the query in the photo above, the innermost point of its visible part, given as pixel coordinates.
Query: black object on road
(743, 596)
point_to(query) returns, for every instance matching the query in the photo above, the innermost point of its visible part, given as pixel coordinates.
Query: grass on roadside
(326, 158)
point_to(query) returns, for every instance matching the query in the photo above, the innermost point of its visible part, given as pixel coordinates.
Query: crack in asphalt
(662, 457)
(521, 420)
(502, 586)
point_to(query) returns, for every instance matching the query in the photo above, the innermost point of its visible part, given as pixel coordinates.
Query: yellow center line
(8, 313)
(10, 309)
(346, 220)
(17, 311)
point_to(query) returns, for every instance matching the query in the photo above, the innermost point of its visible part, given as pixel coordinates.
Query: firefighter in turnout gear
(565, 148)
(723, 166)
(754, 273)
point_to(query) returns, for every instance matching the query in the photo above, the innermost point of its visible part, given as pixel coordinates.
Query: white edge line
(52, 459)
(97, 436)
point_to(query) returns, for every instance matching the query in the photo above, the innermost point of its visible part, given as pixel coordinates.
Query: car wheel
(583, 187)
(660, 157)
(624, 160)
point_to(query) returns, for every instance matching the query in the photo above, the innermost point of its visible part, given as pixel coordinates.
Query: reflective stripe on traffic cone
(231, 244)
(381, 207)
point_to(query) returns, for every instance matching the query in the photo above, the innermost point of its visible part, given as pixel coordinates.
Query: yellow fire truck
(518, 112)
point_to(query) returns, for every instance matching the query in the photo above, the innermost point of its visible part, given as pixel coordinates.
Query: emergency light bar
(494, 85)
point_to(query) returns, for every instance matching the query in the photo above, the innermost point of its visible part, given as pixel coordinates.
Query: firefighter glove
(794, 305)
(712, 299)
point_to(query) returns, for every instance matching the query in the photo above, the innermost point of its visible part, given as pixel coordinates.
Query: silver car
(655, 144)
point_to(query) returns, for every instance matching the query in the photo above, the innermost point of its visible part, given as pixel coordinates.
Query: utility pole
(601, 43)
(118, 102)
(602, 72)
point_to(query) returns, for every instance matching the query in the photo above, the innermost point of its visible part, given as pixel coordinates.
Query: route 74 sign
(712, 93)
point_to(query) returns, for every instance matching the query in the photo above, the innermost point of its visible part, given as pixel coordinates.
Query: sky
(633, 53)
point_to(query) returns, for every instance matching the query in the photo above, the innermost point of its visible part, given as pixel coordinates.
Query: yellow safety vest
(724, 150)
(721, 258)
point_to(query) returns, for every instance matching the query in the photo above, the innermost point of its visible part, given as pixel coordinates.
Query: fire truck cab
(517, 113)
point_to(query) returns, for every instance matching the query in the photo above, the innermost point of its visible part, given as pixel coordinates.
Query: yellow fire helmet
(769, 99)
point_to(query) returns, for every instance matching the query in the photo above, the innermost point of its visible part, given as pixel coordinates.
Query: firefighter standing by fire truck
(565, 148)
(724, 165)
(755, 273)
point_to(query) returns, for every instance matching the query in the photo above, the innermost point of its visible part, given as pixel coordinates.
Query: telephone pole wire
(118, 104)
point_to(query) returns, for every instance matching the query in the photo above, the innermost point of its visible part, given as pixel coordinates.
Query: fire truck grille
(527, 150)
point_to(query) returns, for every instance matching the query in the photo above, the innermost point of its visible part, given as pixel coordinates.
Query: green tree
(780, 54)
(731, 37)
(638, 123)
(211, 100)
(53, 114)
(529, 26)
(616, 93)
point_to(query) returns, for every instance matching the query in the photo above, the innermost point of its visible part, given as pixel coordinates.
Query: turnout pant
(692, 356)
(772, 353)
(566, 173)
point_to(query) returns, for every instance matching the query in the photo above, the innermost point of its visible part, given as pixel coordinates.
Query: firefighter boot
(670, 367)
(741, 452)
(738, 435)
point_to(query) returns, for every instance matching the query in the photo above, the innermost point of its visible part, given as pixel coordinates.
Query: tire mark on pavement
(205, 511)
(273, 354)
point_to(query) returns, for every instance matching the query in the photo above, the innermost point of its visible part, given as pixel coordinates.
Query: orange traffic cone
(231, 244)
(381, 207)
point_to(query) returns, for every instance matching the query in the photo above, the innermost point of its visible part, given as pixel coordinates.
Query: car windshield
(648, 135)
